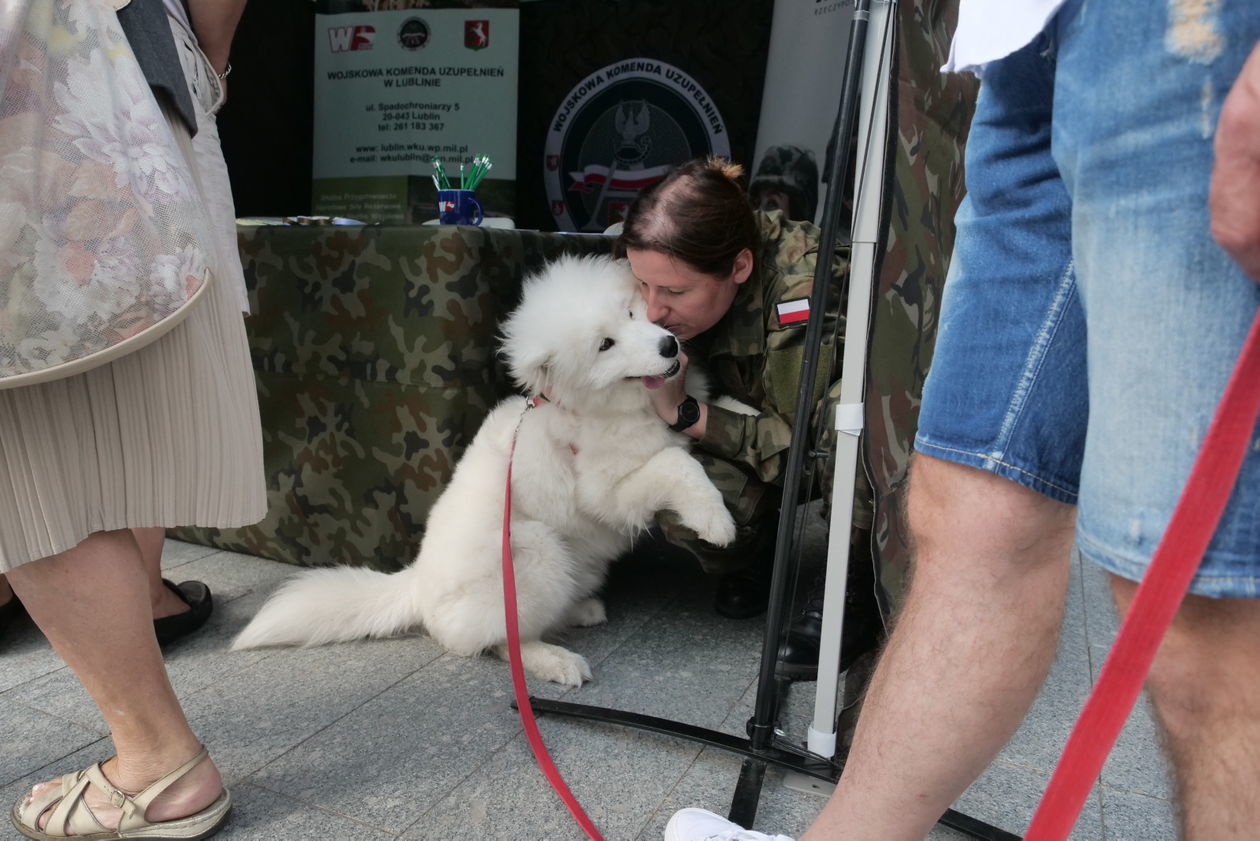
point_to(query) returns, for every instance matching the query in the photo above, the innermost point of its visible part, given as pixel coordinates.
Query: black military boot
(863, 627)
(744, 593)
(744, 590)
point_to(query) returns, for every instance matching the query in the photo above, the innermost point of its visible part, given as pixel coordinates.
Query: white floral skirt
(166, 436)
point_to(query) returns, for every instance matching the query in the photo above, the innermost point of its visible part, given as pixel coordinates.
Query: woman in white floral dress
(162, 436)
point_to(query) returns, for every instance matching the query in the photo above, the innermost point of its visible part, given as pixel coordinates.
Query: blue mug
(459, 207)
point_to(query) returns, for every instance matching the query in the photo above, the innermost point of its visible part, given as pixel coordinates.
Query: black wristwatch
(688, 414)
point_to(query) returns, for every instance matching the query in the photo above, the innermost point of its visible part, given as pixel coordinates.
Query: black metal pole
(761, 727)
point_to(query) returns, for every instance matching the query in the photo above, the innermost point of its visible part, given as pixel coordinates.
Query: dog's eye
(606, 344)
(631, 314)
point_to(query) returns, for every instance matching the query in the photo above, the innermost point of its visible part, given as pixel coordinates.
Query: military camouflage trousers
(753, 505)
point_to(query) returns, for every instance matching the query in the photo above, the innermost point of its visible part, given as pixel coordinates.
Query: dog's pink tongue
(654, 382)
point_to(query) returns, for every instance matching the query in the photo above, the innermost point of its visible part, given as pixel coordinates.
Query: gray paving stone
(1129, 816)
(25, 654)
(1100, 612)
(33, 739)
(638, 591)
(234, 575)
(405, 749)
(95, 751)
(365, 740)
(707, 783)
(261, 815)
(176, 553)
(1136, 762)
(193, 664)
(59, 694)
(686, 653)
(1006, 796)
(619, 776)
(710, 784)
(784, 810)
(1039, 741)
(278, 701)
(796, 711)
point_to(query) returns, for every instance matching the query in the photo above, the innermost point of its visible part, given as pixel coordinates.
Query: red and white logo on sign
(476, 34)
(553, 163)
(346, 38)
(557, 207)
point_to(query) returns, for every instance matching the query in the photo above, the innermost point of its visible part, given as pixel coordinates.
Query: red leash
(1158, 597)
(524, 707)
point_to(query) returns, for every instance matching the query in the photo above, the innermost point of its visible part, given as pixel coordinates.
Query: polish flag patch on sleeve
(795, 311)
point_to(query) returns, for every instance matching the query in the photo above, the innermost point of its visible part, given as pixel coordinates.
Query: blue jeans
(1089, 322)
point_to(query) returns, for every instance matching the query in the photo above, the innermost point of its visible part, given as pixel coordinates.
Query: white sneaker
(701, 825)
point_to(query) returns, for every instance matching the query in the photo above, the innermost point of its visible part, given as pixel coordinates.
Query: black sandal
(200, 605)
(10, 611)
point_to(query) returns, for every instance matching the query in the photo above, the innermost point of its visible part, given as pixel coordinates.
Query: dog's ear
(530, 370)
(533, 375)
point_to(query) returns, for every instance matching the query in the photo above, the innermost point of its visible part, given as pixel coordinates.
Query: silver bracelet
(225, 72)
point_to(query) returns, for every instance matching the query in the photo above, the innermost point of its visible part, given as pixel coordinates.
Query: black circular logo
(413, 34)
(620, 130)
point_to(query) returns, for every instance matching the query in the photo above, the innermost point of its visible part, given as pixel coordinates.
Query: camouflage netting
(932, 117)
(374, 350)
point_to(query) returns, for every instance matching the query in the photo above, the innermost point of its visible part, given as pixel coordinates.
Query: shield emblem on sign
(476, 34)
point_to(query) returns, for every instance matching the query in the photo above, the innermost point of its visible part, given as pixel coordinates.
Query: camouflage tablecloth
(374, 350)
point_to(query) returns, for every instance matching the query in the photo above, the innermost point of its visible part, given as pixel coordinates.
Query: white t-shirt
(992, 29)
(175, 8)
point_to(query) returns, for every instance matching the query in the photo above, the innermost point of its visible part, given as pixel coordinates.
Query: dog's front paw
(717, 528)
(586, 613)
(552, 662)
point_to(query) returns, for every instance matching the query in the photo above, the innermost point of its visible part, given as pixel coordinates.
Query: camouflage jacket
(931, 121)
(756, 359)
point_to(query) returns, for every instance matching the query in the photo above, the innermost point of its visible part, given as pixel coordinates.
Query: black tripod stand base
(783, 756)
(752, 772)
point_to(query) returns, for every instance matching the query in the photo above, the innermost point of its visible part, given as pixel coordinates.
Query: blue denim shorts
(1089, 322)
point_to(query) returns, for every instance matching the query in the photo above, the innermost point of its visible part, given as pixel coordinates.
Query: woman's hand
(665, 399)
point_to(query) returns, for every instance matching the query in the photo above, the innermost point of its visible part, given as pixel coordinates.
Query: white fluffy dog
(592, 466)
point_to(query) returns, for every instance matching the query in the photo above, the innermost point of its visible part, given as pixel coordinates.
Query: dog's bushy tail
(320, 606)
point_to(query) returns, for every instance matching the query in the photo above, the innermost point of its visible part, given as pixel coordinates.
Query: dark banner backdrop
(612, 93)
(686, 55)
(266, 123)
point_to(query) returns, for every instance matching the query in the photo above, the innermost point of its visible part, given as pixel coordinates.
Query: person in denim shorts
(1105, 274)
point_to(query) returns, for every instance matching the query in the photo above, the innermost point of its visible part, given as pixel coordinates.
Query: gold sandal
(71, 817)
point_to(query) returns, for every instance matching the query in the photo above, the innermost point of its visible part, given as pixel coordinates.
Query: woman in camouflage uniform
(734, 286)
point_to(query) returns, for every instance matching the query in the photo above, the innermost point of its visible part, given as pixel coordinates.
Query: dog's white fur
(591, 468)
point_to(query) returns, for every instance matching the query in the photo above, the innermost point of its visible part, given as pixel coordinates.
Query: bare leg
(150, 541)
(164, 602)
(1204, 685)
(92, 602)
(973, 643)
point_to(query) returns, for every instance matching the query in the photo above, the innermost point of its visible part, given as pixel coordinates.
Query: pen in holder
(459, 207)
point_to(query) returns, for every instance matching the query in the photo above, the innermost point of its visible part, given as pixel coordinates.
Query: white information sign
(394, 89)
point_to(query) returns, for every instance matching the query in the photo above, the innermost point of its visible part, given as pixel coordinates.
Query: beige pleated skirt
(166, 436)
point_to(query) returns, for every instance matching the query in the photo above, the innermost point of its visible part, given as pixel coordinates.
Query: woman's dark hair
(699, 214)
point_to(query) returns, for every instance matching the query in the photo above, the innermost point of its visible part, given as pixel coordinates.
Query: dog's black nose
(669, 347)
